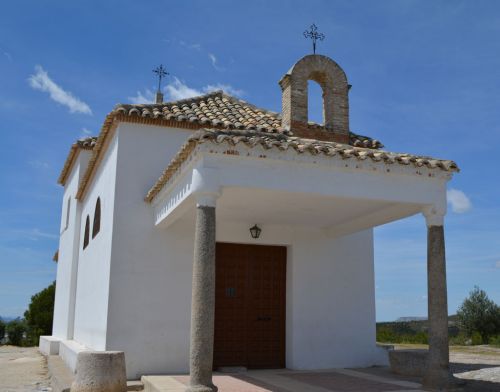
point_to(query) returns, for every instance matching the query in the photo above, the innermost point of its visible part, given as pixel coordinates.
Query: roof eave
(312, 146)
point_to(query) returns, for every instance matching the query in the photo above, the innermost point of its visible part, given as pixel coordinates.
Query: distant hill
(402, 319)
(410, 330)
(7, 319)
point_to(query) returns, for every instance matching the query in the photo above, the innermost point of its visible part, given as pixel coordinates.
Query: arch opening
(86, 236)
(315, 103)
(96, 226)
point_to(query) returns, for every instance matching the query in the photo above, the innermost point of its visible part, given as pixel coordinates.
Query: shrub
(459, 340)
(40, 314)
(2, 329)
(16, 330)
(495, 341)
(385, 335)
(479, 315)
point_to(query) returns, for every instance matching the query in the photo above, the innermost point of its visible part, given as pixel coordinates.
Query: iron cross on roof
(314, 35)
(161, 72)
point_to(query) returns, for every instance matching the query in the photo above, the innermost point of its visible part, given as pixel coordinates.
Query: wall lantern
(255, 231)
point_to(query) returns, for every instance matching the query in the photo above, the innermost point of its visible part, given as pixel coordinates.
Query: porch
(283, 380)
(335, 190)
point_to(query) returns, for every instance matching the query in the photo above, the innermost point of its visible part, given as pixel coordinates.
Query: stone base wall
(408, 362)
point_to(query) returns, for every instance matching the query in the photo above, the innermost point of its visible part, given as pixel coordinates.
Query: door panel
(250, 306)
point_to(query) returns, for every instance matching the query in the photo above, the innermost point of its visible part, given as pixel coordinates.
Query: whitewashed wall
(330, 304)
(91, 308)
(330, 299)
(150, 269)
(136, 295)
(68, 252)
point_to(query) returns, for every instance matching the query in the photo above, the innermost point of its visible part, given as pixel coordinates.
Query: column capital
(205, 186)
(433, 216)
(206, 199)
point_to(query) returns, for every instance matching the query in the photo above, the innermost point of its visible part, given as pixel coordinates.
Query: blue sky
(425, 76)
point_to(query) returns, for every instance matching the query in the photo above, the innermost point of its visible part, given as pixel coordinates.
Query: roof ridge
(216, 93)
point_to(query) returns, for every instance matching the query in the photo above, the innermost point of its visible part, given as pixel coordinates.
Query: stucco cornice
(281, 142)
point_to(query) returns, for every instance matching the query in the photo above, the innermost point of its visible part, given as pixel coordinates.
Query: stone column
(437, 375)
(203, 298)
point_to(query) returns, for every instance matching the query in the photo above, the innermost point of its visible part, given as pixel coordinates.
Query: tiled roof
(215, 110)
(87, 143)
(222, 111)
(285, 142)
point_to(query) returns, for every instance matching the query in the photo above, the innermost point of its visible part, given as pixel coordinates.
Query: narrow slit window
(96, 227)
(86, 236)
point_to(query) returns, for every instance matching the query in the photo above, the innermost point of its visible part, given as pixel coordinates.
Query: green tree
(40, 314)
(2, 329)
(478, 314)
(16, 330)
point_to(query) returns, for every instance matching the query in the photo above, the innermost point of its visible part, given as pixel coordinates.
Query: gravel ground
(479, 365)
(23, 369)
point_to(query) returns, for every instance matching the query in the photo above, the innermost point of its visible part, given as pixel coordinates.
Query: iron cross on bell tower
(161, 72)
(314, 36)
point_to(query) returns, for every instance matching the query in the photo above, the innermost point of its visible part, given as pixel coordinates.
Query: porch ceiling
(282, 188)
(338, 215)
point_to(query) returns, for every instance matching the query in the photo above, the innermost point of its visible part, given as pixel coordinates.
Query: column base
(202, 388)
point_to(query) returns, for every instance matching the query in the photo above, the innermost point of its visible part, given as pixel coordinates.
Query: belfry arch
(332, 80)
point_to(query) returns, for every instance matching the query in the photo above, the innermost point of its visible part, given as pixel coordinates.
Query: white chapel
(208, 232)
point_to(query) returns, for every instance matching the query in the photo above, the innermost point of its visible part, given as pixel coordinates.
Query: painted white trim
(434, 216)
(210, 172)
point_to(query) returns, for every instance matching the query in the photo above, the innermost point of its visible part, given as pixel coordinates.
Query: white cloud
(497, 264)
(39, 164)
(147, 97)
(41, 81)
(85, 133)
(177, 90)
(214, 62)
(33, 234)
(459, 201)
(225, 87)
(194, 46)
(8, 55)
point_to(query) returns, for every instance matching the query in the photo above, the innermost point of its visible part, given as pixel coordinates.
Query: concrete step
(162, 384)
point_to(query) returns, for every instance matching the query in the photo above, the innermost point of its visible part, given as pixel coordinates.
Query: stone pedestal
(203, 301)
(100, 371)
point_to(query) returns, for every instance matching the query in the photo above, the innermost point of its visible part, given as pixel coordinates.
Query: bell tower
(333, 81)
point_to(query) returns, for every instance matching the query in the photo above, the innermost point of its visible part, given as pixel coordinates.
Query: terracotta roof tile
(87, 143)
(285, 142)
(220, 110)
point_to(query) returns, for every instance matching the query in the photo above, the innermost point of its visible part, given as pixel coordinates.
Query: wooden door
(250, 306)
